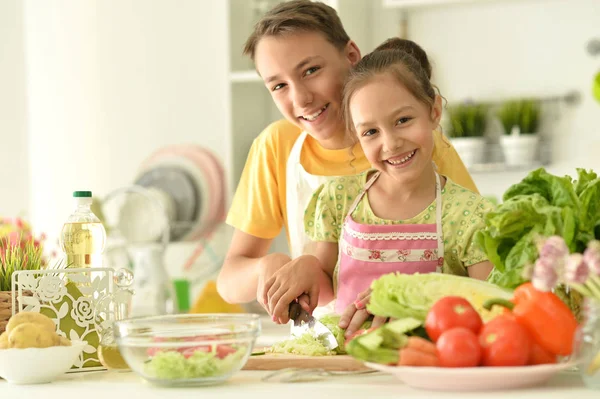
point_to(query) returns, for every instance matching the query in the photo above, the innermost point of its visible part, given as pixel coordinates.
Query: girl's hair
(405, 60)
(296, 16)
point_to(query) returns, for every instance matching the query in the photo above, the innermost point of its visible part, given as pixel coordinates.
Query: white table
(248, 384)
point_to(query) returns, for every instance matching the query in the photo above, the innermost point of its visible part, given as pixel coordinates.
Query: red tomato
(188, 352)
(537, 355)
(153, 351)
(224, 351)
(450, 312)
(458, 347)
(505, 342)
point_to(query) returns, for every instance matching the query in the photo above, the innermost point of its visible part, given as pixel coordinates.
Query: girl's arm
(480, 270)
(308, 275)
(327, 254)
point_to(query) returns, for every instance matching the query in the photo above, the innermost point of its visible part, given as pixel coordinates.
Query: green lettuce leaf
(309, 345)
(412, 295)
(584, 177)
(558, 191)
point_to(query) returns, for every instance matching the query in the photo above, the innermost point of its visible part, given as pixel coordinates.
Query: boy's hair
(298, 16)
(405, 60)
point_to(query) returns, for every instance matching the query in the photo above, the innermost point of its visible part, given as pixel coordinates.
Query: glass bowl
(187, 349)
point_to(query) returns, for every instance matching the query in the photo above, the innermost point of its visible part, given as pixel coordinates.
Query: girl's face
(305, 75)
(394, 128)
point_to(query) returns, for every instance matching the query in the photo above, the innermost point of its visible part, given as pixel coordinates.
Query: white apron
(300, 186)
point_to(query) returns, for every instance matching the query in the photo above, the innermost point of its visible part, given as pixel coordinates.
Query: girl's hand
(268, 265)
(356, 314)
(292, 281)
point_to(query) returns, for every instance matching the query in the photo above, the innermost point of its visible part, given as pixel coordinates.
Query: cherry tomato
(450, 312)
(458, 347)
(505, 342)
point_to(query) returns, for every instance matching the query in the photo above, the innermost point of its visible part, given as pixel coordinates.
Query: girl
(401, 215)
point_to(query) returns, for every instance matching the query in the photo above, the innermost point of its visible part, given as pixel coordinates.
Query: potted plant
(13, 258)
(467, 123)
(520, 119)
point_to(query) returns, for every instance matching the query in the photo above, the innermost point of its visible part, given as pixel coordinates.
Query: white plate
(472, 378)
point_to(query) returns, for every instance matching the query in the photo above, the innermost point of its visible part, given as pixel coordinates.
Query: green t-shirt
(462, 215)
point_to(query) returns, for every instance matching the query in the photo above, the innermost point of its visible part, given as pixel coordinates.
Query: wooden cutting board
(277, 361)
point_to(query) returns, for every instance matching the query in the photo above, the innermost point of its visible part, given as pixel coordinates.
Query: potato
(30, 317)
(31, 335)
(4, 340)
(62, 341)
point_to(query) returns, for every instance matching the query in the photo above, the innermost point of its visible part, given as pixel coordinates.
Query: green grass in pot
(467, 120)
(525, 114)
(14, 257)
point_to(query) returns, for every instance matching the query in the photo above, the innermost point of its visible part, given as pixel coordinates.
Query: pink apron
(369, 251)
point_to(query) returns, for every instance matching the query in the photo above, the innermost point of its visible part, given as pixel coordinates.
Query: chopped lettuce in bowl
(177, 365)
(187, 349)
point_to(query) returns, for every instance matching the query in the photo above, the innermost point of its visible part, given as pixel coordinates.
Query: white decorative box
(69, 297)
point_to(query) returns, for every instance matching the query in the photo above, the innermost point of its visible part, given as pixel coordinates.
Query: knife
(304, 323)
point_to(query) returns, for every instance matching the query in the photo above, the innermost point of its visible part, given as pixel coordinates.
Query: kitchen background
(90, 89)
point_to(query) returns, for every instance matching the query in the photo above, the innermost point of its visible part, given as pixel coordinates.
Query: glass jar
(112, 308)
(587, 344)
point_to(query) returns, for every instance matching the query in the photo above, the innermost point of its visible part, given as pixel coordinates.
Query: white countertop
(248, 384)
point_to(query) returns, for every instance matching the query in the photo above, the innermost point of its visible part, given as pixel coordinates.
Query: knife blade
(304, 323)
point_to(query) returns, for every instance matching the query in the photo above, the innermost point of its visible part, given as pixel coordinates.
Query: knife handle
(298, 314)
(295, 310)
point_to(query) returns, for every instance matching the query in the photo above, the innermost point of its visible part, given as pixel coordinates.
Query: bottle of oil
(83, 236)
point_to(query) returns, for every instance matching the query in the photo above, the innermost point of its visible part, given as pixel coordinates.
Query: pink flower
(544, 276)
(591, 256)
(577, 270)
(427, 255)
(555, 249)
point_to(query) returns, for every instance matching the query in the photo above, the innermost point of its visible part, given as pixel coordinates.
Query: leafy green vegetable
(173, 365)
(539, 206)
(382, 344)
(400, 295)
(331, 322)
(309, 345)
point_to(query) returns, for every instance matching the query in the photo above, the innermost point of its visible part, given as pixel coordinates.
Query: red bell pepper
(548, 320)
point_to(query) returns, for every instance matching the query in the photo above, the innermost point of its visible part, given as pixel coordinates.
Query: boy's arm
(246, 268)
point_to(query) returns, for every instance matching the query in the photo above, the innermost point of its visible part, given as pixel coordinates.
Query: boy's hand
(356, 314)
(295, 279)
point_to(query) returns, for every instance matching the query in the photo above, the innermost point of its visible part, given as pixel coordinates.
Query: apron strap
(363, 192)
(438, 217)
(296, 238)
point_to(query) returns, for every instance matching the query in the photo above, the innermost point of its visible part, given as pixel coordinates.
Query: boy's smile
(305, 75)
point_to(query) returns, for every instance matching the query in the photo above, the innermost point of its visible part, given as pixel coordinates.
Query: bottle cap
(82, 194)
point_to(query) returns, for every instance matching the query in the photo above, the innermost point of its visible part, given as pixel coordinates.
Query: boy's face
(305, 75)
(394, 128)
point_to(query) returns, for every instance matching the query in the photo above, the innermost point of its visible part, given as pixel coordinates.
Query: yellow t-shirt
(259, 205)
